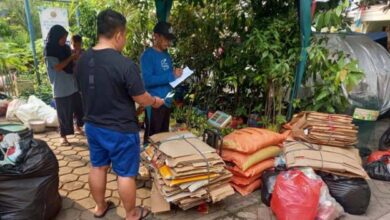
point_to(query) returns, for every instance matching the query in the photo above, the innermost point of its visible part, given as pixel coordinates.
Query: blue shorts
(121, 149)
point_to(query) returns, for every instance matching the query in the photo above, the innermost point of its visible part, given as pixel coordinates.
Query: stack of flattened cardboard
(324, 142)
(187, 172)
(321, 128)
(340, 161)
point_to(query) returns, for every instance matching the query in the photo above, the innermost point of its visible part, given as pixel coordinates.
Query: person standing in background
(59, 62)
(157, 71)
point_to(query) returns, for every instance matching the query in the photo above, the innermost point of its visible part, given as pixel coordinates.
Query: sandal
(110, 205)
(143, 210)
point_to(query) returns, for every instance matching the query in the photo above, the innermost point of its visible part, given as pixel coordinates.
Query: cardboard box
(341, 161)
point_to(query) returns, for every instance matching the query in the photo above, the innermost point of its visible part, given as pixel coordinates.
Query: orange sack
(246, 190)
(250, 140)
(245, 161)
(244, 181)
(253, 171)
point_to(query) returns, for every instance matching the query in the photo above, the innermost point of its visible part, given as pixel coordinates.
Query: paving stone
(112, 185)
(79, 149)
(79, 194)
(63, 192)
(247, 215)
(111, 177)
(72, 158)
(87, 215)
(65, 170)
(76, 164)
(108, 193)
(113, 215)
(215, 215)
(138, 201)
(143, 193)
(121, 212)
(69, 214)
(146, 202)
(66, 203)
(115, 194)
(84, 178)
(68, 178)
(87, 203)
(59, 157)
(73, 186)
(69, 152)
(71, 140)
(81, 170)
(62, 163)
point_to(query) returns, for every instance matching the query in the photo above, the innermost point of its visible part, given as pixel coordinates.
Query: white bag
(27, 112)
(12, 107)
(45, 112)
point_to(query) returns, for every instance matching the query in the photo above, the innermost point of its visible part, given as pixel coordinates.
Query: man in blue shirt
(158, 72)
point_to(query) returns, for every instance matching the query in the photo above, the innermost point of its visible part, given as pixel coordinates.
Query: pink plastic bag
(295, 196)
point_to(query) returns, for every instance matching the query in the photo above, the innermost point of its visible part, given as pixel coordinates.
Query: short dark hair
(108, 23)
(77, 38)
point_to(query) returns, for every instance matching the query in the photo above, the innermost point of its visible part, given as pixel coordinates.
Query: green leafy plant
(329, 72)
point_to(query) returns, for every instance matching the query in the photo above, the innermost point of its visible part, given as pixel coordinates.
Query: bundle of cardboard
(340, 161)
(324, 142)
(187, 172)
(321, 128)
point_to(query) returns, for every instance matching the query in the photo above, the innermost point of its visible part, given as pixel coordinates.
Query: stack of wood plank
(187, 172)
(321, 128)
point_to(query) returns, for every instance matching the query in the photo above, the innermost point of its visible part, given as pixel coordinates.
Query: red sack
(377, 155)
(295, 196)
(246, 190)
(244, 181)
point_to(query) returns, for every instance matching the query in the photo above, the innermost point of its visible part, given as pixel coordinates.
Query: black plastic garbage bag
(29, 190)
(268, 179)
(353, 194)
(384, 141)
(378, 169)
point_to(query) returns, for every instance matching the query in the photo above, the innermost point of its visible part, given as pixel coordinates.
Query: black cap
(164, 29)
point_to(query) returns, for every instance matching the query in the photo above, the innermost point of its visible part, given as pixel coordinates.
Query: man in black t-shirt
(110, 84)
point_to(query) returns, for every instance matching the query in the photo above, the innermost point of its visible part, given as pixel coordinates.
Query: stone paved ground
(78, 203)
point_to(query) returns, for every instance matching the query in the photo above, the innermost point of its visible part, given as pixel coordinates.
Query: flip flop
(142, 216)
(110, 205)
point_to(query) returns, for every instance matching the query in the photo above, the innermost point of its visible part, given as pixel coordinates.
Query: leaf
(322, 95)
(330, 109)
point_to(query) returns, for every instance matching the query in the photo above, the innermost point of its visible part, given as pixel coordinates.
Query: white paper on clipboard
(186, 73)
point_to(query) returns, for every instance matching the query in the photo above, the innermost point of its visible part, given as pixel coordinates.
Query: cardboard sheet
(343, 161)
(158, 203)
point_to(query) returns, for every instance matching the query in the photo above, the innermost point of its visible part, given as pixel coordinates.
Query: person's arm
(147, 100)
(137, 91)
(61, 65)
(151, 80)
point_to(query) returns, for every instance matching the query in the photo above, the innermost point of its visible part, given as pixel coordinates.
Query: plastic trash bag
(379, 169)
(384, 141)
(45, 112)
(353, 194)
(29, 189)
(268, 178)
(12, 107)
(295, 196)
(37, 109)
(377, 155)
(329, 208)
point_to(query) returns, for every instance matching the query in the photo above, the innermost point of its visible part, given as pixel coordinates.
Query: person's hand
(178, 72)
(158, 102)
(75, 56)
